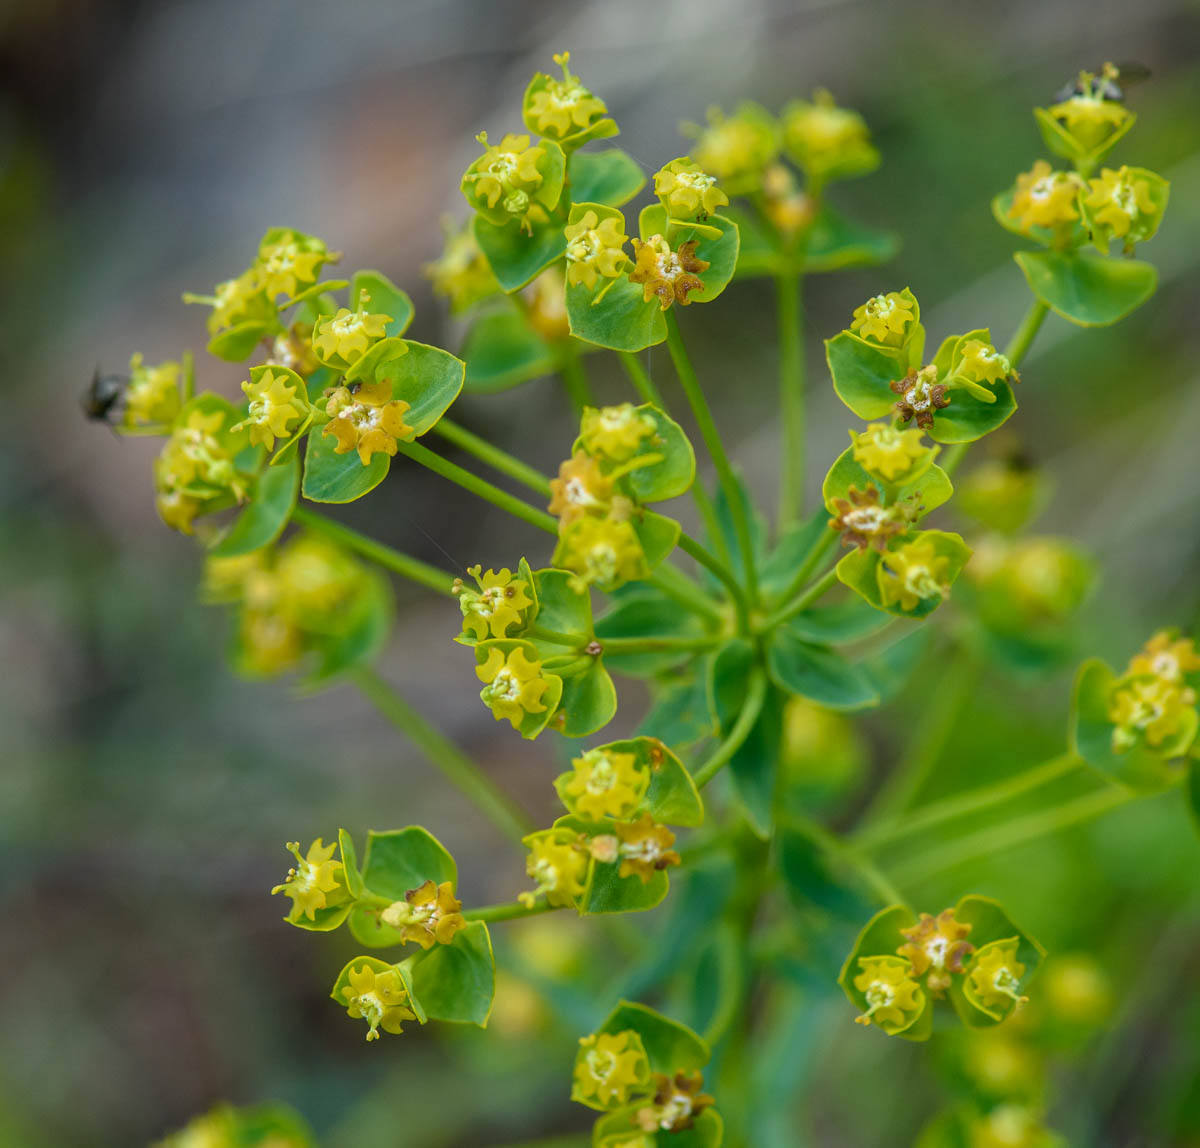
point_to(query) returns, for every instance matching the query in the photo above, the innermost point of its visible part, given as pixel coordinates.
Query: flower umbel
(604, 552)
(514, 685)
(496, 606)
(595, 249)
(889, 452)
(884, 319)
(607, 784)
(920, 395)
(365, 417)
(937, 946)
(1166, 656)
(668, 275)
(503, 178)
(310, 881)
(429, 915)
(379, 998)
(274, 407)
(152, 394)
(289, 262)
(1044, 197)
(563, 108)
(894, 999)
(687, 191)
(581, 487)
(615, 433)
(1150, 707)
(607, 1066)
(461, 273)
(737, 148)
(342, 338)
(995, 976)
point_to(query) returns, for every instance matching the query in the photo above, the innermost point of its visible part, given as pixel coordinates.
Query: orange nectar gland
(496, 606)
(581, 488)
(558, 867)
(995, 976)
(883, 319)
(644, 848)
(1149, 707)
(311, 879)
(936, 946)
(347, 334)
(920, 395)
(429, 915)
(893, 997)
(1166, 657)
(513, 685)
(274, 407)
(887, 451)
(366, 418)
(595, 250)
(912, 574)
(668, 275)
(689, 191)
(564, 107)
(676, 1103)
(863, 522)
(608, 1065)
(379, 998)
(1044, 197)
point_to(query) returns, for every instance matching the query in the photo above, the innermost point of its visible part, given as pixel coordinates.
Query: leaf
(386, 299)
(267, 514)
(610, 177)
(517, 258)
(331, 477)
(456, 983)
(607, 892)
(928, 489)
(612, 1130)
(728, 673)
(681, 714)
(672, 797)
(848, 621)
(859, 570)
(398, 860)
(674, 473)
(563, 606)
(793, 549)
(589, 701)
(729, 537)
(1193, 790)
(354, 881)
(1089, 290)
(657, 534)
(834, 242)
(862, 374)
(237, 343)
(502, 350)
(990, 923)
(759, 249)
(647, 614)
(817, 673)
(622, 320)
(754, 768)
(809, 875)
(670, 1046)
(891, 668)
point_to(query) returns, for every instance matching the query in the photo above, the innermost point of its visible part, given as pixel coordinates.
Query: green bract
(1089, 290)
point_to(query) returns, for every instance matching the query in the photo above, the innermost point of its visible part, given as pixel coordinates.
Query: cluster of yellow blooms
(1153, 700)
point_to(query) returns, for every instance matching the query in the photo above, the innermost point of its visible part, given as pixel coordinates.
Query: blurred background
(145, 793)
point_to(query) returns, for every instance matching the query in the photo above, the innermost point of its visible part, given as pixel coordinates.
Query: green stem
(694, 550)
(509, 911)
(756, 694)
(640, 378)
(479, 486)
(973, 801)
(457, 768)
(407, 567)
(558, 637)
(849, 855)
(791, 397)
(821, 586)
(575, 376)
(1000, 837)
(663, 645)
(716, 450)
(493, 456)
(824, 544)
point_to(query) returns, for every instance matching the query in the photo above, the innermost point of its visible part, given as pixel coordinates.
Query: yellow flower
(513, 685)
(345, 337)
(1154, 708)
(603, 552)
(429, 915)
(884, 319)
(688, 191)
(461, 273)
(912, 574)
(645, 847)
(315, 579)
(563, 108)
(788, 207)
(888, 452)
(312, 879)
(269, 641)
(496, 606)
(1087, 114)
(293, 349)
(995, 976)
(827, 140)
(1044, 197)
(274, 406)
(238, 299)
(982, 363)
(152, 394)
(615, 433)
(937, 946)
(668, 275)
(289, 263)
(1076, 989)
(863, 521)
(607, 784)
(505, 174)
(192, 468)
(366, 419)
(379, 998)
(738, 148)
(1167, 657)
(607, 1066)
(1118, 200)
(177, 510)
(676, 1103)
(558, 868)
(595, 248)
(894, 999)
(581, 486)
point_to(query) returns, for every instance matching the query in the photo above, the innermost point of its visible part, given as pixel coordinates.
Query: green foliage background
(142, 149)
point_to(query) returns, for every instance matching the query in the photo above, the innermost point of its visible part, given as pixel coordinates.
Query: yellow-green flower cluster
(501, 183)
(500, 602)
(461, 273)
(606, 783)
(595, 250)
(315, 882)
(341, 339)
(277, 406)
(557, 863)
(364, 417)
(154, 395)
(379, 997)
(608, 1066)
(826, 141)
(195, 471)
(1155, 700)
(687, 191)
(564, 110)
(737, 149)
(514, 684)
(885, 319)
(429, 915)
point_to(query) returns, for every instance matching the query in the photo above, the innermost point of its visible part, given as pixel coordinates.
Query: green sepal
(237, 343)
(263, 519)
(647, 614)
(928, 487)
(454, 983)
(332, 477)
(1062, 143)
(603, 177)
(386, 299)
(817, 673)
(719, 250)
(858, 570)
(670, 1047)
(531, 724)
(1142, 767)
(881, 937)
(834, 242)
(323, 920)
(619, 1128)
(605, 890)
(515, 256)
(502, 350)
(1088, 290)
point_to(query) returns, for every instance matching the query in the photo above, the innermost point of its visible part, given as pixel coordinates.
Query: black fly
(103, 395)
(1102, 84)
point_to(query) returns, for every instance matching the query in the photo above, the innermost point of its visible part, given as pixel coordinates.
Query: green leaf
(989, 924)
(817, 673)
(531, 724)
(563, 605)
(674, 473)
(1089, 290)
(456, 982)
(891, 668)
(330, 477)
(237, 343)
(429, 380)
(860, 571)
(608, 892)
(928, 489)
(754, 768)
(323, 920)
(1193, 790)
(728, 674)
(610, 177)
(589, 701)
(386, 299)
(793, 549)
(264, 518)
(398, 860)
(354, 881)
(968, 418)
(647, 614)
(834, 242)
(672, 797)
(809, 875)
(862, 374)
(670, 1046)
(848, 621)
(622, 320)
(760, 251)
(517, 258)
(680, 714)
(502, 350)
(378, 966)
(367, 624)
(376, 363)
(657, 534)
